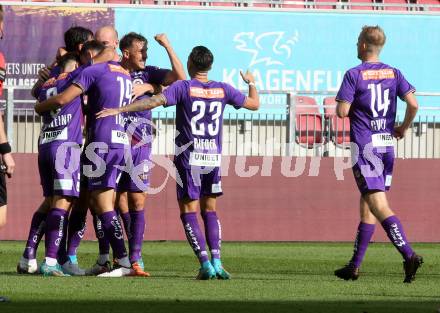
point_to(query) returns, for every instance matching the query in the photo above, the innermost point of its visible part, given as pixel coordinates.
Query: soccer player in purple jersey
(368, 96)
(146, 82)
(91, 52)
(200, 104)
(74, 39)
(58, 163)
(106, 84)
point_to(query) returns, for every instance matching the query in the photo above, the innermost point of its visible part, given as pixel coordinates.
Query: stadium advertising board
(288, 51)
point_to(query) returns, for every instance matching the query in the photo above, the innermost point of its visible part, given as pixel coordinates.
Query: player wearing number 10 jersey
(368, 96)
(200, 103)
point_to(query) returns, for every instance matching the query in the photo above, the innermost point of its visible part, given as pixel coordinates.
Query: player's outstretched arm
(140, 105)
(141, 89)
(59, 100)
(342, 109)
(411, 110)
(177, 70)
(253, 100)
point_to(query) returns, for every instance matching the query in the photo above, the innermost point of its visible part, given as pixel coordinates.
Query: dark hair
(1, 13)
(75, 36)
(128, 40)
(202, 58)
(68, 57)
(93, 45)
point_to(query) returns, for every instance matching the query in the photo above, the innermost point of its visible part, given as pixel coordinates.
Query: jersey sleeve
(156, 75)
(348, 88)
(88, 77)
(403, 86)
(173, 94)
(234, 96)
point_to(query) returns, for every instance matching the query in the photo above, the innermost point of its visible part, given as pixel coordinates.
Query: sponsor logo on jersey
(204, 159)
(118, 68)
(386, 73)
(208, 93)
(382, 140)
(119, 137)
(49, 136)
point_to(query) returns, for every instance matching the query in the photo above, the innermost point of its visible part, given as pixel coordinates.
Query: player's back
(64, 124)
(107, 85)
(372, 89)
(199, 118)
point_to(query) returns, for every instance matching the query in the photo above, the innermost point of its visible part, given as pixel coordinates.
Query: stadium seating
(396, 5)
(339, 128)
(430, 2)
(308, 122)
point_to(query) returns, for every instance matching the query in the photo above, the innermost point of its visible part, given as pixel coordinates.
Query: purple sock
(363, 237)
(213, 232)
(62, 250)
(113, 231)
(77, 228)
(103, 242)
(396, 234)
(54, 231)
(137, 235)
(36, 232)
(194, 235)
(126, 220)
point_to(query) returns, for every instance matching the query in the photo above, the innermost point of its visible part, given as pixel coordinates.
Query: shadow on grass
(182, 306)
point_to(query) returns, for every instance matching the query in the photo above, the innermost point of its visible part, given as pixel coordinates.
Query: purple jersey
(64, 124)
(107, 85)
(372, 90)
(149, 75)
(199, 119)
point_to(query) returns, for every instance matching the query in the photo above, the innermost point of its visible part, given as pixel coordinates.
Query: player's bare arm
(252, 101)
(411, 110)
(140, 105)
(141, 89)
(5, 150)
(60, 100)
(177, 69)
(342, 109)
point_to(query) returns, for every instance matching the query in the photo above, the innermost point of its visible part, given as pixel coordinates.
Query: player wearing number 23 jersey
(199, 103)
(199, 119)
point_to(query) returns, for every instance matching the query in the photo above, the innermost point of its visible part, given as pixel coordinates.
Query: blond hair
(374, 37)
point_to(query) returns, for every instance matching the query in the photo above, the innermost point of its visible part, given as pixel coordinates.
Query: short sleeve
(156, 75)
(348, 88)
(403, 86)
(55, 71)
(173, 94)
(87, 77)
(234, 96)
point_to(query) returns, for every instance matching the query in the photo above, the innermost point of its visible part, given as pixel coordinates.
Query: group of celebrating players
(107, 172)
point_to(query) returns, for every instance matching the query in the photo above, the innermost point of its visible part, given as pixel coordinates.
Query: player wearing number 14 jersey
(368, 96)
(199, 103)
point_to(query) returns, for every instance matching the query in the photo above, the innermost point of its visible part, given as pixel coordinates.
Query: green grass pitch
(267, 277)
